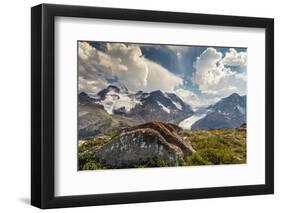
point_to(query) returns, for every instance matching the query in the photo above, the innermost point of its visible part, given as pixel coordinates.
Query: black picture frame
(43, 102)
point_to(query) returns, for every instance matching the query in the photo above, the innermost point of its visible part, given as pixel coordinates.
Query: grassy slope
(216, 147)
(212, 147)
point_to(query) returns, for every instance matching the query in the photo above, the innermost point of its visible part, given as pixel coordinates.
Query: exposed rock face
(138, 145)
(93, 119)
(157, 105)
(228, 113)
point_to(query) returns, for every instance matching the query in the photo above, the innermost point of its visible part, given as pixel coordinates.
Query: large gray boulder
(153, 141)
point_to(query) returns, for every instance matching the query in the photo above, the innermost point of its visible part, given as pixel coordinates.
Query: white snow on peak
(165, 94)
(114, 101)
(81, 113)
(163, 107)
(178, 105)
(241, 109)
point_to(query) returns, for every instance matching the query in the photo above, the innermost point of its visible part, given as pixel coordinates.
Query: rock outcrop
(153, 141)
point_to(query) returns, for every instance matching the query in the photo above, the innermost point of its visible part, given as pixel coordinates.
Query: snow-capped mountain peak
(150, 105)
(116, 100)
(229, 112)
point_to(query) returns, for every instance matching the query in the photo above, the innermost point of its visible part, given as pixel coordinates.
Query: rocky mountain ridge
(229, 112)
(115, 107)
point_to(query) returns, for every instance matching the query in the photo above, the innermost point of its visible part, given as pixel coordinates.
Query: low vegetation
(213, 147)
(86, 150)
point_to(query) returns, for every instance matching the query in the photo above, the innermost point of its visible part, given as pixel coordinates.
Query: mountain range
(116, 107)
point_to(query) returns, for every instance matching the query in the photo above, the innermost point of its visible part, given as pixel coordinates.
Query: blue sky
(200, 75)
(181, 63)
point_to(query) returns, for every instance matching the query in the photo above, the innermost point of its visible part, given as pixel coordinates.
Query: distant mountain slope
(229, 112)
(118, 100)
(93, 119)
(161, 106)
(116, 107)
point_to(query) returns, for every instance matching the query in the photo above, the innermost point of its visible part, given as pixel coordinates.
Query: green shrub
(114, 134)
(161, 163)
(194, 160)
(212, 147)
(92, 165)
(218, 156)
(217, 146)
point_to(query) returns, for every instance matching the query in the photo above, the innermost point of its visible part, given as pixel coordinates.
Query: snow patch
(165, 95)
(241, 110)
(163, 107)
(114, 101)
(81, 113)
(178, 105)
(187, 123)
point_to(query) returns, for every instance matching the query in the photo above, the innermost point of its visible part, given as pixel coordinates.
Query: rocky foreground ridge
(158, 144)
(144, 145)
(152, 141)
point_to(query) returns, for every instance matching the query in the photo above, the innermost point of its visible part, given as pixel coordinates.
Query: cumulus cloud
(123, 64)
(216, 80)
(234, 58)
(189, 97)
(201, 100)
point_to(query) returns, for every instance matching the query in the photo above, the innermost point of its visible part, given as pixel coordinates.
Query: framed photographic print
(140, 106)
